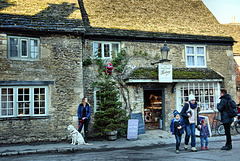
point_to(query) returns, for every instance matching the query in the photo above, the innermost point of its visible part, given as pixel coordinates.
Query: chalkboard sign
(132, 132)
(141, 124)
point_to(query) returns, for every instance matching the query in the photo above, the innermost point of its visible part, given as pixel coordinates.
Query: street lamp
(164, 54)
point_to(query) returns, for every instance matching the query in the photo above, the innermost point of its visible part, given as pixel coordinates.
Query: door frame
(163, 101)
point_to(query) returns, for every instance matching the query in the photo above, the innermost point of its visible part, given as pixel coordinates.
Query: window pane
(36, 90)
(42, 110)
(190, 50)
(13, 47)
(4, 98)
(24, 48)
(200, 50)
(10, 97)
(34, 49)
(115, 48)
(36, 110)
(200, 61)
(42, 90)
(42, 104)
(106, 50)
(4, 90)
(190, 60)
(97, 51)
(20, 90)
(26, 90)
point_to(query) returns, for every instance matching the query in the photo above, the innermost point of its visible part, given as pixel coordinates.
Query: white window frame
(31, 99)
(102, 49)
(215, 86)
(19, 48)
(196, 55)
(96, 89)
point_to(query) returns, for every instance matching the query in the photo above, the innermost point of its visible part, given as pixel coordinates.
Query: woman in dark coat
(225, 119)
(84, 113)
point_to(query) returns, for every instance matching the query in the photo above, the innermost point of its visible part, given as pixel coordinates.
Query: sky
(224, 9)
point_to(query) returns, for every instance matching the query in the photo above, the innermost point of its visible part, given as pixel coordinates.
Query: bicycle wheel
(221, 130)
(237, 126)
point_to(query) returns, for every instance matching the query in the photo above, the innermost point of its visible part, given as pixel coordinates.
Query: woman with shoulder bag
(84, 113)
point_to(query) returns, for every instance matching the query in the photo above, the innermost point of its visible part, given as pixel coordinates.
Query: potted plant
(111, 118)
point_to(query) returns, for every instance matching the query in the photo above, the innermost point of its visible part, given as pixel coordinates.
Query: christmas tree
(110, 117)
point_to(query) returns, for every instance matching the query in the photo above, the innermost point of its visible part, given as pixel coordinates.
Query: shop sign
(165, 73)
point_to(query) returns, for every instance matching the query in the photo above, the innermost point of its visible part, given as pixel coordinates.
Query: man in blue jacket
(225, 119)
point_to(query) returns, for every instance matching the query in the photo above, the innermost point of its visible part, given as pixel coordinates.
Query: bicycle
(216, 125)
(235, 124)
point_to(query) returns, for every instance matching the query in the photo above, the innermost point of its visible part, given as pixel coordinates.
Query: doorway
(154, 109)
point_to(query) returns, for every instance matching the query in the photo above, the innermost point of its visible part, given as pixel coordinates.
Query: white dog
(76, 136)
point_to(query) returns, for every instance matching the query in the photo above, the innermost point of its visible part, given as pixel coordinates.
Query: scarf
(193, 106)
(175, 120)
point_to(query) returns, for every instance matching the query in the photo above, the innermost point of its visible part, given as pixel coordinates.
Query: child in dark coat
(177, 126)
(204, 134)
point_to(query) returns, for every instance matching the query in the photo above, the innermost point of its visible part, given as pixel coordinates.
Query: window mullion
(110, 50)
(102, 46)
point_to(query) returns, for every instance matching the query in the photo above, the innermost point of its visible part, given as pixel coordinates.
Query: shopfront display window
(207, 95)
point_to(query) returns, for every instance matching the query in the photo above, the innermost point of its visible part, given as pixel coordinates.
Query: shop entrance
(154, 109)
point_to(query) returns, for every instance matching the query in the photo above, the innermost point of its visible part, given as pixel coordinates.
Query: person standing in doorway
(225, 119)
(84, 113)
(190, 117)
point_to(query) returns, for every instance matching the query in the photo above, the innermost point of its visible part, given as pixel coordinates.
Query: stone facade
(60, 61)
(215, 56)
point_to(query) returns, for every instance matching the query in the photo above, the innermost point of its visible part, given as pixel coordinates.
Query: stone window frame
(110, 43)
(19, 48)
(193, 86)
(195, 56)
(31, 101)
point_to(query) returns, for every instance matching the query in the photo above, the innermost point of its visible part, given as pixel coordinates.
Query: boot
(227, 147)
(85, 136)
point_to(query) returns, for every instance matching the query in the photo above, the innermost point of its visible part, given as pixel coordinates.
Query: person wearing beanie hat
(191, 97)
(190, 116)
(177, 126)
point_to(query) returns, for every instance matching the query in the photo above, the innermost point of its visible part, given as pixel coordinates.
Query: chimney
(233, 19)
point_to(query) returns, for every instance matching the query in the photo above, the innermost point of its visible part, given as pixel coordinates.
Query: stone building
(43, 47)
(41, 70)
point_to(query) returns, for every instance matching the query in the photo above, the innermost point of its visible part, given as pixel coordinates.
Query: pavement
(150, 138)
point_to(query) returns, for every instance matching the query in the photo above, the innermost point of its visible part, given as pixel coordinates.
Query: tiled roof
(189, 17)
(178, 73)
(41, 15)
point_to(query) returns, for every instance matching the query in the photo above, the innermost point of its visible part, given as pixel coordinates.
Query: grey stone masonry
(60, 62)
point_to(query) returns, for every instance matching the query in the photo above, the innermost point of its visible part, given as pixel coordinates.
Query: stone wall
(61, 62)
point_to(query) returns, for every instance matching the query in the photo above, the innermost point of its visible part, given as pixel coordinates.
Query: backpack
(231, 108)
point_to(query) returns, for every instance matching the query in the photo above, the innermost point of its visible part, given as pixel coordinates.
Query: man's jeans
(190, 130)
(202, 141)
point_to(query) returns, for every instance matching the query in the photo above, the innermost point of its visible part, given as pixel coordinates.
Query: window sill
(196, 67)
(23, 59)
(25, 118)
